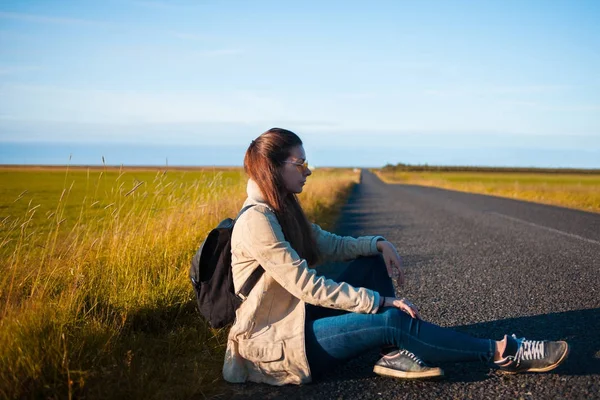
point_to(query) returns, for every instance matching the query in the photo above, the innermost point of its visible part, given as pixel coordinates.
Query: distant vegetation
(437, 168)
(573, 188)
(95, 299)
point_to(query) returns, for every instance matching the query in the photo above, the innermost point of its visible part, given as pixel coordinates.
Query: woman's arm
(340, 248)
(334, 248)
(263, 239)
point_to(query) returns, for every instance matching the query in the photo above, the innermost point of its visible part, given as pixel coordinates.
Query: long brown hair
(263, 163)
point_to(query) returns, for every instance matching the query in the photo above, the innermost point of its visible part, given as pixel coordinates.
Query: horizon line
(398, 166)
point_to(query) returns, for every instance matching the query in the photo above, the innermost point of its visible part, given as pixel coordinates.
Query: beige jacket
(266, 342)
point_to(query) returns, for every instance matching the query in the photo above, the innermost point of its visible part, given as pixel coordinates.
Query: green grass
(41, 194)
(95, 299)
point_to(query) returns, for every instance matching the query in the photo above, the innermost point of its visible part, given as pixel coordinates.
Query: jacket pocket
(261, 351)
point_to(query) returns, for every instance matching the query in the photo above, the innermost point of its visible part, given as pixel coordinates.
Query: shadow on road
(579, 328)
(584, 357)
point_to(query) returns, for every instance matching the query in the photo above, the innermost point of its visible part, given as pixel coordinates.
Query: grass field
(95, 299)
(579, 191)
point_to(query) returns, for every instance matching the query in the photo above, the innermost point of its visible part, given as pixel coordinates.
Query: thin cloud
(572, 108)
(520, 103)
(17, 69)
(359, 95)
(555, 108)
(528, 89)
(221, 52)
(205, 38)
(495, 90)
(43, 102)
(48, 19)
(189, 36)
(162, 5)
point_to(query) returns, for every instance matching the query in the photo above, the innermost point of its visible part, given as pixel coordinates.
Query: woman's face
(295, 171)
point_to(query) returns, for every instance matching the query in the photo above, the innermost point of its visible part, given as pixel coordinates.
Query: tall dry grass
(95, 300)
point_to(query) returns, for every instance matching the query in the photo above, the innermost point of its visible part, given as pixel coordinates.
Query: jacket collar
(255, 195)
(254, 191)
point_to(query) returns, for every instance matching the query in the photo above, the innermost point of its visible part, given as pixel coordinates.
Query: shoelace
(529, 350)
(413, 357)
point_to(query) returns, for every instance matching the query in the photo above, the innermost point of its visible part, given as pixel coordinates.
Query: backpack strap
(243, 210)
(254, 276)
(250, 282)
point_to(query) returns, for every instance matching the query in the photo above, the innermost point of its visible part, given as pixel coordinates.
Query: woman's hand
(402, 304)
(393, 263)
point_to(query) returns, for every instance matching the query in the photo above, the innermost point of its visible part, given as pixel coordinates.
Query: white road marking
(546, 228)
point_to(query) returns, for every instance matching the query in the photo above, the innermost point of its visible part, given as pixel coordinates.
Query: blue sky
(363, 83)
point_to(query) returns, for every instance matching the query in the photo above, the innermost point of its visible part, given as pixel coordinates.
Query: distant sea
(116, 154)
(340, 155)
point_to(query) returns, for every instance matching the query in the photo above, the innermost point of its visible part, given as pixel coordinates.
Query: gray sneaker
(522, 355)
(404, 364)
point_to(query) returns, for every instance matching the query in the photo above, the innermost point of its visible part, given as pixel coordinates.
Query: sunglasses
(303, 165)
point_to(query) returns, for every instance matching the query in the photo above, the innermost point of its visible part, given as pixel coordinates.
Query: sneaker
(404, 364)
(522, 355)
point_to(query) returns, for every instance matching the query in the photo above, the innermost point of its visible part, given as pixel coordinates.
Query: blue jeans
(334, 336)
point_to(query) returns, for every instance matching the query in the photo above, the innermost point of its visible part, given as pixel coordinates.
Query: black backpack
(212, 279)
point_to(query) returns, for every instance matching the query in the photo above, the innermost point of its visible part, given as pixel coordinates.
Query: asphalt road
(485, 266)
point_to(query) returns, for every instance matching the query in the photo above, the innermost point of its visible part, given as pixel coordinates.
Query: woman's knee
(369, 272)
(378, 262)
(359, 272)
(374, 263)
(397, 318)
(380, 273)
